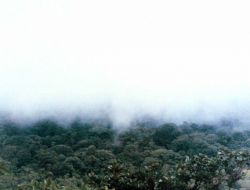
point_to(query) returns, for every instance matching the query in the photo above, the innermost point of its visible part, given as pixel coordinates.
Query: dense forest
(146, 156)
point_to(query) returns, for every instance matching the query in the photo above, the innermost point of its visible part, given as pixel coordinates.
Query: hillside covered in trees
(146, 156)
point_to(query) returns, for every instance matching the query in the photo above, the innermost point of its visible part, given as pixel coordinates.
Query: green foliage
(165, 134)
(50, 184)
(196, 143)
(203, 172)
(3, 167)
(84, 156)
(121, 177)
(46, 128)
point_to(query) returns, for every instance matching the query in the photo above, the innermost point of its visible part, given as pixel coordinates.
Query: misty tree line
(146, 156)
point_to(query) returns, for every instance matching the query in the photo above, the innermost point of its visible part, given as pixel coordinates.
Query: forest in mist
(161, 90)
(94, 155)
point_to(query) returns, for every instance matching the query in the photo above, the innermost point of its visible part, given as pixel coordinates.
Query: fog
(175, 60)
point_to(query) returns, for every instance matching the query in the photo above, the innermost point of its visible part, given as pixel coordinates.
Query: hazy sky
(174, 58)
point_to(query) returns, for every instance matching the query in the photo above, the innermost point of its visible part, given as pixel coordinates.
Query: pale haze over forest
(126, 58)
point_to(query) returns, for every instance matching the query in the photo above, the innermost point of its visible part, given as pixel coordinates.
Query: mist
(177, 61)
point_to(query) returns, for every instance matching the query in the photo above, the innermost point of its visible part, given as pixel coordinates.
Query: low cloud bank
(174, 61)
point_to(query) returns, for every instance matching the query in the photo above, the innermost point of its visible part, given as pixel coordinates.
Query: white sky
(177, 57)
